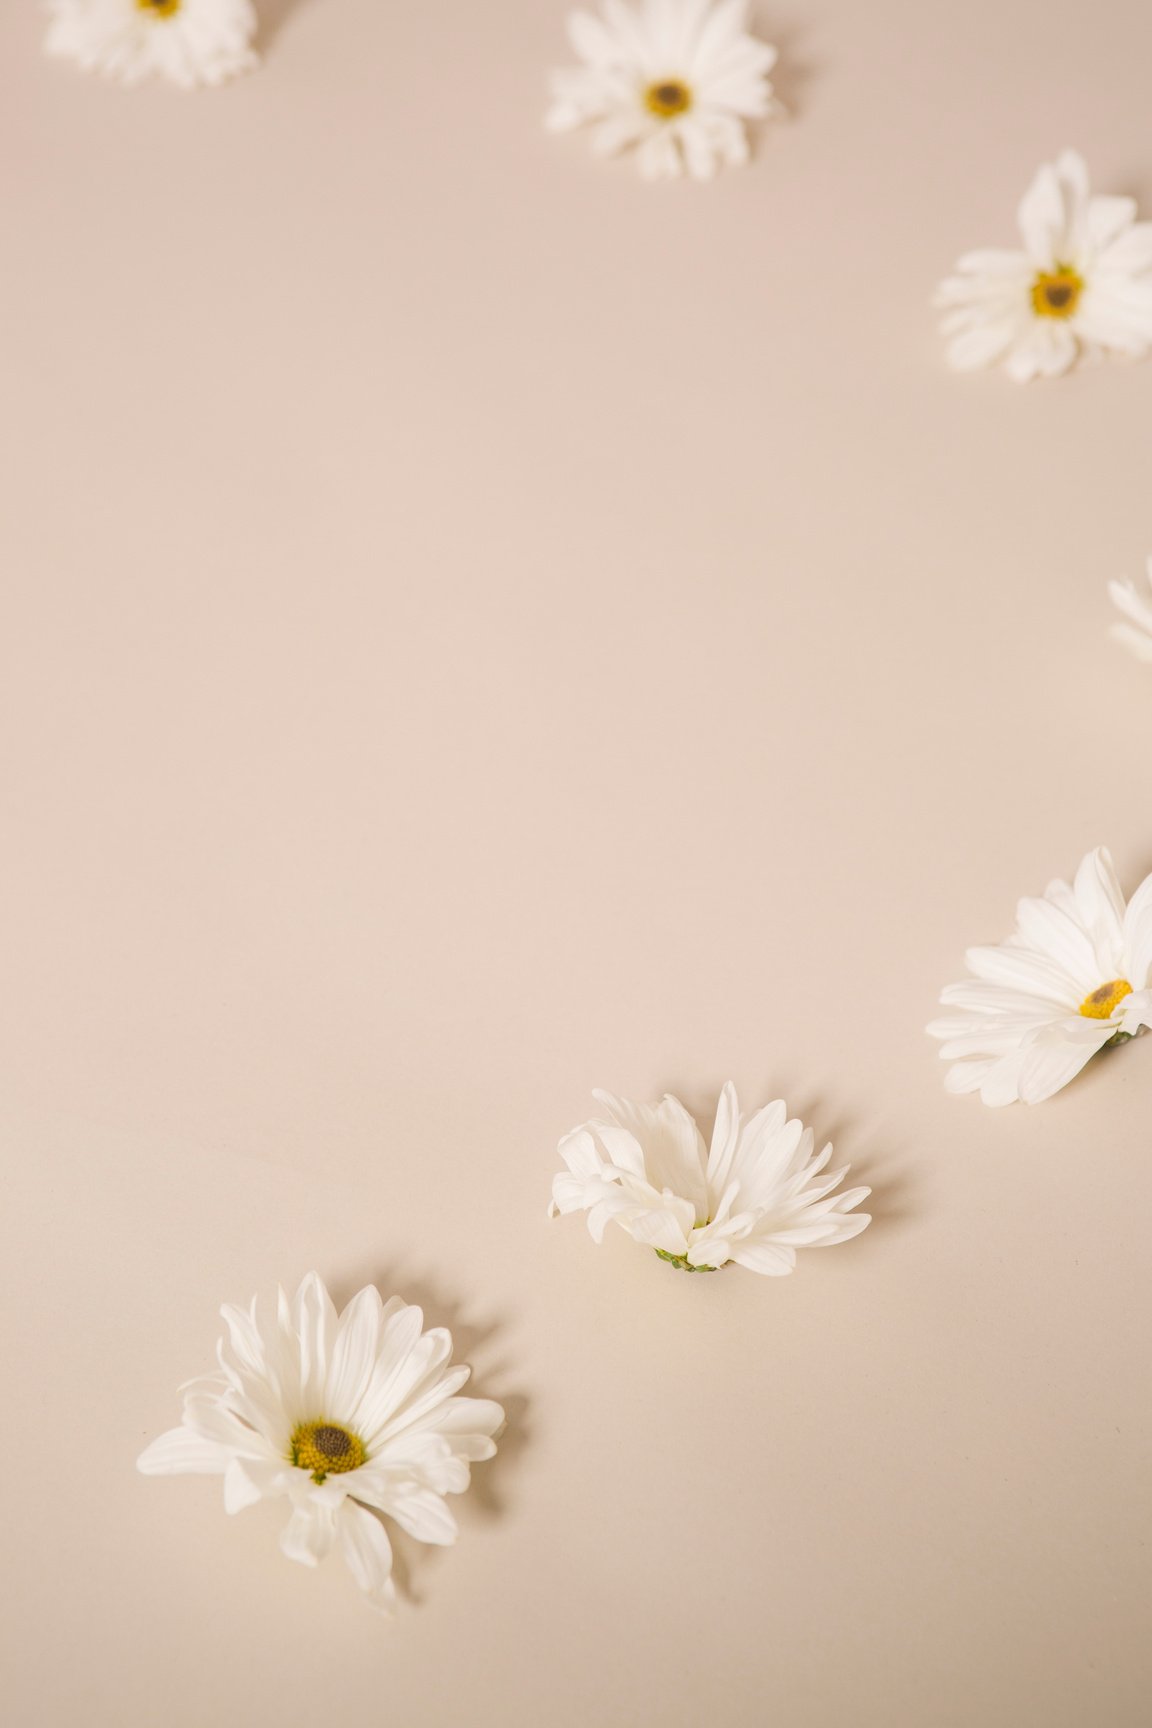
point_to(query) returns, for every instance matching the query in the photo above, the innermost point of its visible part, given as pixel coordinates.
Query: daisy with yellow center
(1082, 282)
(678, 81)
(349, 1418)
(1071, 980)
(190, 42)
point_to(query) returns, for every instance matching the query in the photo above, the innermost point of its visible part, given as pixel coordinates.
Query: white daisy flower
(753, 1197)
(679, 79)
(345, 1417)
(1072, 978)
(1136, 609)
(189, 41)
(1082, 283)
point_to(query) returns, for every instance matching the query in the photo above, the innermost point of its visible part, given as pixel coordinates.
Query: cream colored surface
(477, 628)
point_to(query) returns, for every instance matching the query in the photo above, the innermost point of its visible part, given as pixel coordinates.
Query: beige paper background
(478, 627)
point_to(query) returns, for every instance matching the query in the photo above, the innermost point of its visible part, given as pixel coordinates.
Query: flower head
(188, 41)
(753, 1197)
(678, 79)
(1072, 978)
(1082, 282)
(1136, 609)
(343, 1416)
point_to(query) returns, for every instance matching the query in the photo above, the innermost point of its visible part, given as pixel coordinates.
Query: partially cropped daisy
(754, 1196)
(1082, 283)
(342, 1416)
(1072, 978)
(189, 41)
(676, 79)
(1135, 606)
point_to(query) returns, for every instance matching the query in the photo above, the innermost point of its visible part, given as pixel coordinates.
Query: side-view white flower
(753, 1197)
(677, 79)
(1072, 978)
(1082, 283)
(343, 1416)
(1135, 607)
(188, 41)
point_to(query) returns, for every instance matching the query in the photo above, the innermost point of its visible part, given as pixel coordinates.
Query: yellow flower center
(1056, 293)
(1102, 1003)
(326, 1449)
(668, 98)
(159, 8)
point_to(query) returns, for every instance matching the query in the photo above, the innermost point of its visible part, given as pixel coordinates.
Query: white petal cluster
(189, 42)
(1135, 607)
(677, 80)
(371, 1371)
(754, 1196)
(1072, 978)
(1081, 283)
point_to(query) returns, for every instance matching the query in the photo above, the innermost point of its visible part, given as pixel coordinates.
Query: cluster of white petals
(1082, 282)
(1072, 978)
(189, 42)
(346, 1417)
(675, 80)
(754, 1196)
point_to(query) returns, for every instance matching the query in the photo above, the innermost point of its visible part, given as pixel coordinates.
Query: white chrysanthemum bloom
(753, 1197)
(344, 1416)
(189, 41)
(1136, 609)
(677, 79)
(1082, 283)
(1072, 978)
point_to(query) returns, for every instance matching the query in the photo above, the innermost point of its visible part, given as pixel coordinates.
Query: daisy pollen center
(326, 1449)
(1056, 293)
(1102, 1003)
(667, 98)
(159, 8)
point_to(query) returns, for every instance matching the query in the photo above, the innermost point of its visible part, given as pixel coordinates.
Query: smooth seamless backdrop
(476, 628)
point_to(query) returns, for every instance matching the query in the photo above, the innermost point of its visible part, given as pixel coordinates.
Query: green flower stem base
(1118, 1038)
(681, 1260)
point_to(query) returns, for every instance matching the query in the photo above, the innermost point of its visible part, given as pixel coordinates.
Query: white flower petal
(1045, 1068)
(1041, 219)
(1138, 936)
(355, 1351)
(243, 1485)
(368, 1553)
(770, 1258)
(1105, 220)
(183, 1452)
(309, 1533)
(424, 1515)
(1136, 1012)
(980, 347)
(1101, 908)
(659, 1143)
